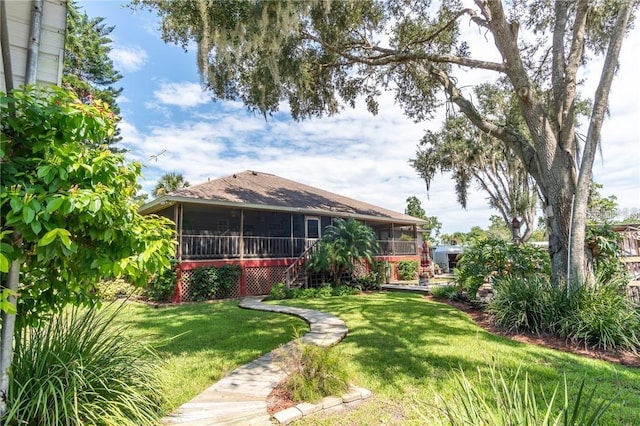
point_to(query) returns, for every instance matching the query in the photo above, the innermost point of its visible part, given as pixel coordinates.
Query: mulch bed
(482, 319)
(279, 400)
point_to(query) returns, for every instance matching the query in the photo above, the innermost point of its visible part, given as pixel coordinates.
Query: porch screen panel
(383, 235)
(325, 222)
(404, 239)
(167, 212)
(210, 232)
(298, 234)
(267, 234)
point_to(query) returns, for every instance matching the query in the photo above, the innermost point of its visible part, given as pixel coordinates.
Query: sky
(170, 124)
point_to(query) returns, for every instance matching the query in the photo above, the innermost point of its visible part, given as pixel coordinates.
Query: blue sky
(170, 125)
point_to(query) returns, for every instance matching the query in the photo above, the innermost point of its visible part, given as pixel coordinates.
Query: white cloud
(183, 94)
(128, 58)
(354, 153)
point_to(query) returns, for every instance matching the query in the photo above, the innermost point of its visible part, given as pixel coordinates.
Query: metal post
(33, 49)
(6, 47)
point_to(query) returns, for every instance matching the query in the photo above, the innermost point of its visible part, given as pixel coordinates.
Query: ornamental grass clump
(523, 304)
(517, 402)
(603, 317)
(313, 371)
(598, 315)
(80, 369)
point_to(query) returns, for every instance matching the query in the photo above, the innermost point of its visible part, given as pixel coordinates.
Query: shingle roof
(271, 191)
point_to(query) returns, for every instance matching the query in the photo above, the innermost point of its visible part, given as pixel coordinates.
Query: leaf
(54, 204)
(36, 227)
(95, 205)
(4, 263)
(64, 237)
(44, 171)
(48, 237)
(28, 214)
(5, 305)
(16, 205)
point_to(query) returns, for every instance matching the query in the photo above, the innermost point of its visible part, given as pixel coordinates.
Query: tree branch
(557, 61)
(512, 137)
(567, 138)
(391, 56)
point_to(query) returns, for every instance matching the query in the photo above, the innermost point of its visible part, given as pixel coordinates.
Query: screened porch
(212, 232)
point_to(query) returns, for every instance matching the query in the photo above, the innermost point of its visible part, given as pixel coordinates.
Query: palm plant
(344, 245)
(169, 182)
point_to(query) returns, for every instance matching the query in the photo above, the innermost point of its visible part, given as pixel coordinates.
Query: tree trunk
(8, 331)
(557, 189)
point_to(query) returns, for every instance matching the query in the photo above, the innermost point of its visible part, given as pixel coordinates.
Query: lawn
(198, 344)
(400, 346)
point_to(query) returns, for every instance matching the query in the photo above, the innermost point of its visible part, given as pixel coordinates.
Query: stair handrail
(292, 271)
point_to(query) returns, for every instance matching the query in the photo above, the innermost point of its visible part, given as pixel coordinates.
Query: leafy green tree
(87, 69)
(631, 218)
(498, 230)
(169, 182)
(68, 219)
(319, 56)
(602, 242)
(433, 225)
(601, 209)
(344, 245)
(470, 155)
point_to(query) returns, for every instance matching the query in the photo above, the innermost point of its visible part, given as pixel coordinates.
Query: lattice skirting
(185, 285)
(260, 280)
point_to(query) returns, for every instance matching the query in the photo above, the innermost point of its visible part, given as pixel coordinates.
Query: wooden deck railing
(202, 246)
(397, 247)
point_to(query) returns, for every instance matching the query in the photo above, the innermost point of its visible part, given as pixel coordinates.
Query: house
(267, 225)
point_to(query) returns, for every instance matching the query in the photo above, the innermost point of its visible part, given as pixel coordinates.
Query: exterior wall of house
(51, 46)
(264, 243)
(258, 275)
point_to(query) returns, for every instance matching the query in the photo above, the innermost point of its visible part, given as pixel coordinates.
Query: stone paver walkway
(240, 398)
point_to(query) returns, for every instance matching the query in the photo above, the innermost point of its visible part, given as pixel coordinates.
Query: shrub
(118, 288)
(598, 315)
(368, 282)
(344, 290)
(278, 292)
(162, 285)
(324, 291)
(517, 403)
(408, 270)
(210, 282)
(228, 276)
(203, 284)
(448, 291)
(304, 293)
(602, 317)
(313, 371)
(496, 258)
(604, 245)
(78, 369)
(524, 304)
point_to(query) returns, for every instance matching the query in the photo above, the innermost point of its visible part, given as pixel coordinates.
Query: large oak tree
(321, 55)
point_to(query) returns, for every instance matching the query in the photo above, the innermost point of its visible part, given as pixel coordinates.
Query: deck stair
(296, 275)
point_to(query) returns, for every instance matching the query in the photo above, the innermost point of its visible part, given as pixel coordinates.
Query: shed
(447, 257)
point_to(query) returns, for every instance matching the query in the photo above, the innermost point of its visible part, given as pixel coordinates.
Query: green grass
(200, 343)
(405, 348)
(400, 346)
